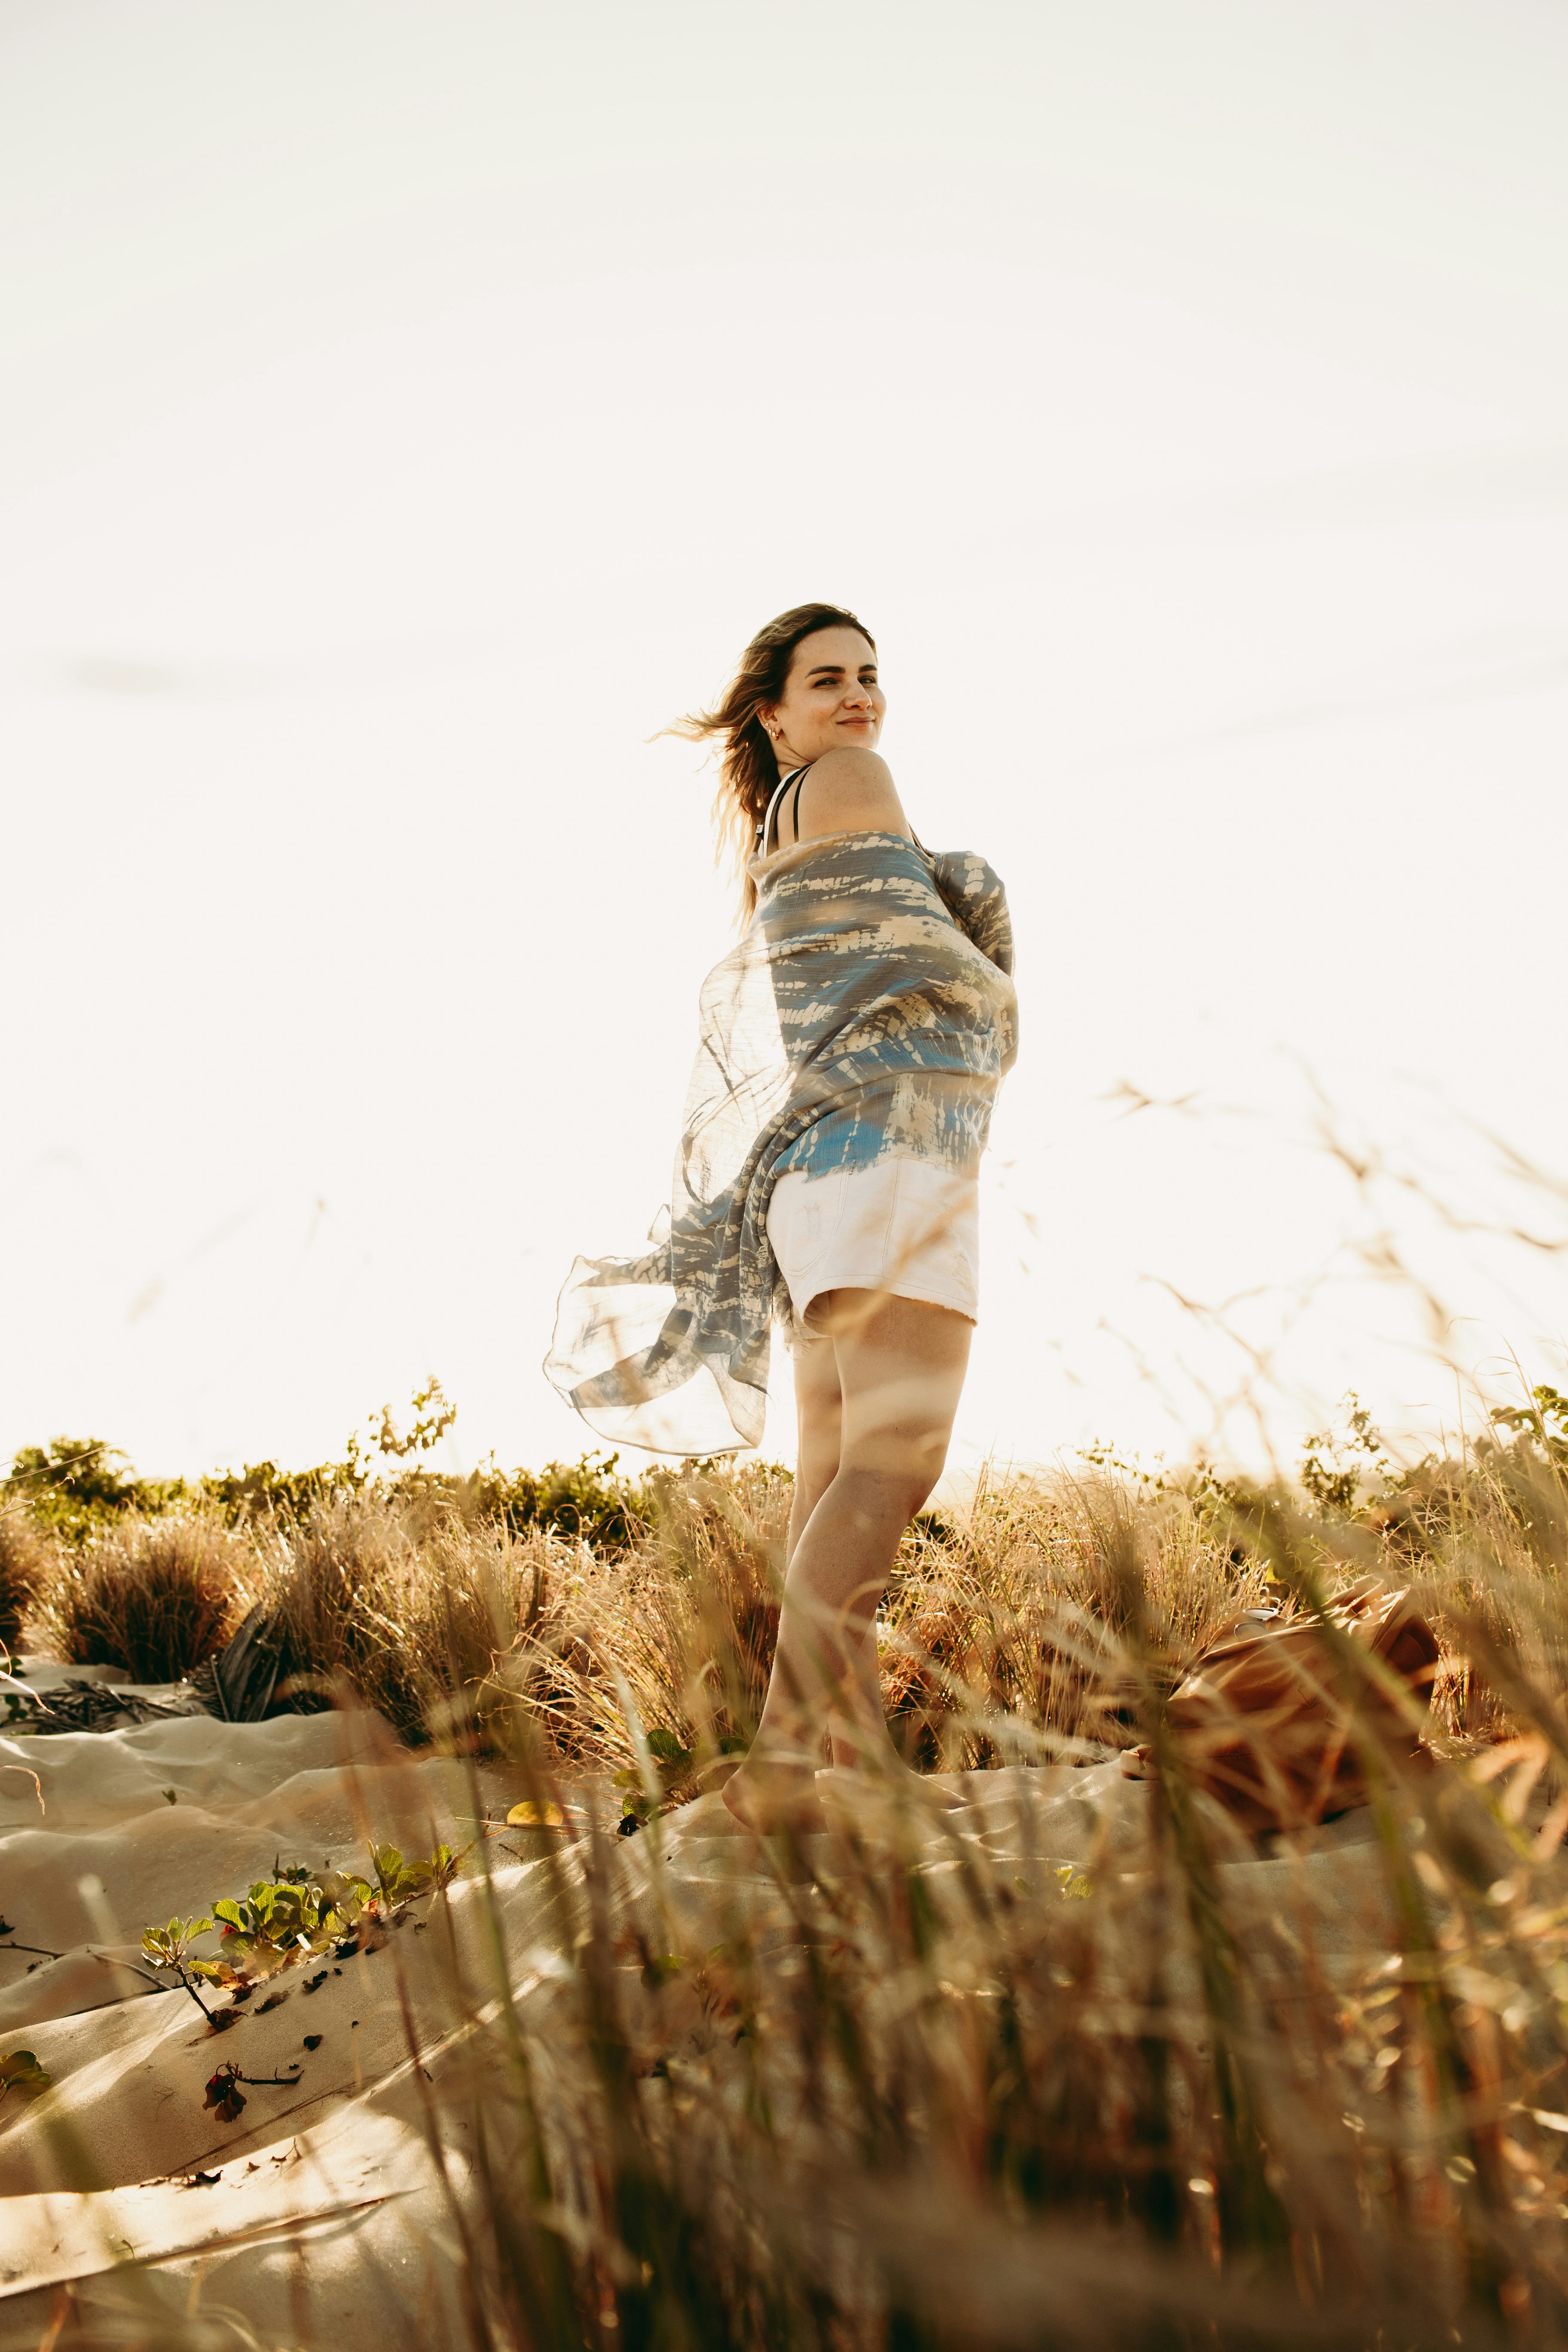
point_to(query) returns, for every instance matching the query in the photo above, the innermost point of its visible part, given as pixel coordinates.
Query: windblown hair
(748, 769)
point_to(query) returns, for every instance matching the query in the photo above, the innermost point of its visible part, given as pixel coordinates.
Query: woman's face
(831, 698)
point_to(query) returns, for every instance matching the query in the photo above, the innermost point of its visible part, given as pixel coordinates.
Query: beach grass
(1184, 2088)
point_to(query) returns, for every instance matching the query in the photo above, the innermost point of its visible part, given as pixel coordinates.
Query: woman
(852, 1044)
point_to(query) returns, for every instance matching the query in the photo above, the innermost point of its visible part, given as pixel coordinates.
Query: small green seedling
(1074, 1887)
(293, 1917)
(166, 1948)
(169, 1947)
(288, 1917)
(401, 1881)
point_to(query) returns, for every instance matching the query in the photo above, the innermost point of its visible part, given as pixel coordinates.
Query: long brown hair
(748, 769)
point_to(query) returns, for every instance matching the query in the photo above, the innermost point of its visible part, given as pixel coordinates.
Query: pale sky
(405, 410)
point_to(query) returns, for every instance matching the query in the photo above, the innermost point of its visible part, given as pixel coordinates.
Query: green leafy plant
(676, 1767)
(169, 1946)
(400, 1881)
(1336, 1465)
(432, 1417)
(263, 1492)
(76, 1487)
(290, 1918)
(1543, 1422)
(294, 1917)
(1102, 1457)
(582, 1500)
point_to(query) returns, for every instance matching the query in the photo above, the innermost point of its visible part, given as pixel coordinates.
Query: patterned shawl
(867, 1012)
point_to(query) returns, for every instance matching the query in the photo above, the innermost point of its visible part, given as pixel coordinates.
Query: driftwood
(238, 1683)
(74, 1706)
(245, 1681)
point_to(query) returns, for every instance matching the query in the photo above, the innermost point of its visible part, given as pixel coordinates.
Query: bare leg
(818, 1405)
(819, 1421)
(900, 1367)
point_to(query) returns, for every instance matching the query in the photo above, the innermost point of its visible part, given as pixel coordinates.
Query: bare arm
(849, 790)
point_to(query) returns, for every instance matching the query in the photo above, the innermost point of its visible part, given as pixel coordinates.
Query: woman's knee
(904, 1364)
(883, 1488)
(902, 1370)
(902, 1428)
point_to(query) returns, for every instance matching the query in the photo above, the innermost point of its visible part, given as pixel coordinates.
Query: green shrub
(73, 1486)
(261, 1491)
(582, 1500)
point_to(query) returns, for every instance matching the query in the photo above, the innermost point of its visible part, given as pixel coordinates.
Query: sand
(317, 2211)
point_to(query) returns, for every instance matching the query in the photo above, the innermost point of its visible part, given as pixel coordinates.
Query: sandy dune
(322, 2192)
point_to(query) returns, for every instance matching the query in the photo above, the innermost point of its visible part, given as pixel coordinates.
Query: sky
(404, 413)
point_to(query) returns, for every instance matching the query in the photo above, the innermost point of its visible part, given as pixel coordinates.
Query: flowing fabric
(867, 1012)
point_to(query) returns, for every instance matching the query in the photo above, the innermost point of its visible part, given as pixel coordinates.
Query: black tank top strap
(769, 834)
(795, 805)
(768, 831)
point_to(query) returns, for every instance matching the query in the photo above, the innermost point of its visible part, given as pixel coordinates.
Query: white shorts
(909, 1227)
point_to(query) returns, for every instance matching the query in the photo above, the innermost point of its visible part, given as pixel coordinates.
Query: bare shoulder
(850, 791)
(849, 767)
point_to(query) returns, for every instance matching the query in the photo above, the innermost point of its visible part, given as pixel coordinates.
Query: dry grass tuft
(406, 1604)
(1003, 1635)
(27, 1565)
(154, 1596)
(1008, 1623)
(678, 1633)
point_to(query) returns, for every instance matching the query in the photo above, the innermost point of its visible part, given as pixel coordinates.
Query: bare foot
(945, 1799)
(767, 1798)
(854, 1797)
(883, 1768)
(926, 1790)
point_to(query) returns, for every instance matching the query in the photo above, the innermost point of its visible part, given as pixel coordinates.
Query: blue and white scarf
(867, 1013)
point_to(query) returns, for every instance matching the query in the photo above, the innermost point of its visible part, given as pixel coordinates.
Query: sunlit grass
(1120, 2075)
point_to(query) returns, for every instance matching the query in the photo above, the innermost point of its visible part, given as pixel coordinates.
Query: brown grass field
(1151, 2100)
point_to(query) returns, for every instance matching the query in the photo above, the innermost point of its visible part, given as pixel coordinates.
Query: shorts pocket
(811, 1223)
(937, 1211)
